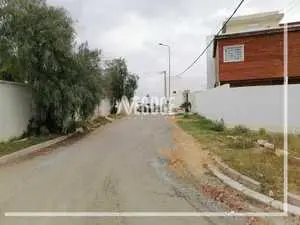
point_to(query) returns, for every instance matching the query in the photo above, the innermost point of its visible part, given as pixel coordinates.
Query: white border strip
(142, 214)
(195, 214)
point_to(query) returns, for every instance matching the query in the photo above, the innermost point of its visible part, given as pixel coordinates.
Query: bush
(70, 127)
(219, 126)
(73, 125)
(240, 129)
(185, 115)
(186, 106)
(262, 132)
(35, 127)
(32, 127)
(44, 131)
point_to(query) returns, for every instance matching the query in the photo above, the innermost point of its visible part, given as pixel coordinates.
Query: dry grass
(242, 155)
(97, 122)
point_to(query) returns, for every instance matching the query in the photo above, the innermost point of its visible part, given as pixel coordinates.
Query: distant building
(250, 52)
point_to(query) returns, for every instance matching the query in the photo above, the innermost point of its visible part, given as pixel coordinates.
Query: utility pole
(165, 83)
(169, 72)
(169, 52)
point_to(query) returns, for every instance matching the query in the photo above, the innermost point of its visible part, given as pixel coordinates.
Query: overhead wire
(210, 43)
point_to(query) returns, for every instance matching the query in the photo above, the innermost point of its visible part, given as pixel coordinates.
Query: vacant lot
(237, 148)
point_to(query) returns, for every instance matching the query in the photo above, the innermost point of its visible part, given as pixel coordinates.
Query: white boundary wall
(255, 107)
(15, 109)
(103, 109)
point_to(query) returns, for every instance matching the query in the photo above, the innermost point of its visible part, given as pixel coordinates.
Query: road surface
(111, 170)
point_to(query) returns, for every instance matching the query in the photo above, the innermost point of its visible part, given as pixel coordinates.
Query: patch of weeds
(294, 145)
(293, 142)
(206, 124)
(236, 147)
(100, 120)
(185, 116)
(240, 129)
(219, 125)
(264, 167)
(241, 143)
(18, 144)
(197, 124)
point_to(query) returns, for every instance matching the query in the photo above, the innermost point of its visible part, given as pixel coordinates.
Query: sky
(132, 29)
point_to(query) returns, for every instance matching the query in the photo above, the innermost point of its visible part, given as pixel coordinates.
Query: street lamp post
(169, 51)
(165, 83)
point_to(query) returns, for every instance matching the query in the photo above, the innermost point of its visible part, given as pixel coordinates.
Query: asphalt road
(111, 170)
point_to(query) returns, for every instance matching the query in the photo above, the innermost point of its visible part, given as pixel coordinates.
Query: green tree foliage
(37, 46)
(131, 84)
(119, 82)
(88, 63)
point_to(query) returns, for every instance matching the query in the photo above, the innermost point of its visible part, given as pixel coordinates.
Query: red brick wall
(294, 54)
(263, 57)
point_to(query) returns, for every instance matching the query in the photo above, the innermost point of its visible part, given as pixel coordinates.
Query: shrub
(186, 106)
(44, 131)
(32, 127)
(219, 125)
(262, 132)
(72, 125)
(240, 129)
(185, 115)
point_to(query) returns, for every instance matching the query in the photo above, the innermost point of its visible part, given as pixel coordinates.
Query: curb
(294, 199)
(31, 149)
(253, 194)
(247, 181)
(36, 148)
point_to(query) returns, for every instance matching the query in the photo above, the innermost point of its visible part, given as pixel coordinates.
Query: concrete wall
(255, 107)
(178, 99)
(258, 21)
(15, 109)
(103, 109)
(245, 26)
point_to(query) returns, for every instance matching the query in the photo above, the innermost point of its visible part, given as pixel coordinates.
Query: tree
(131, 84)
(119, 82)
(33, 37)
(37, 46)
(88, 63)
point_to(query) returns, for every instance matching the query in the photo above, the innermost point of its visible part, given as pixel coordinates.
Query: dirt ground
(188, 160)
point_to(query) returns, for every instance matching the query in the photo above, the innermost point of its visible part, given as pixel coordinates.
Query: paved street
(111, 170)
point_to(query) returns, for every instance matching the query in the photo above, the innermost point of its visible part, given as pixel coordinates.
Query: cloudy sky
(133, 28)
